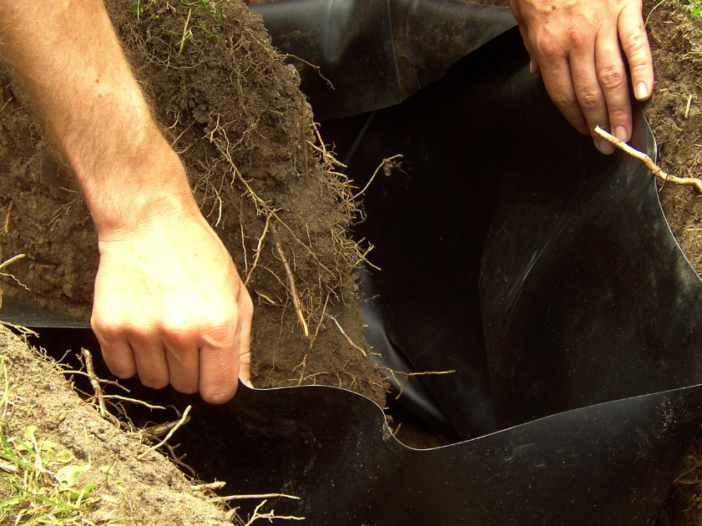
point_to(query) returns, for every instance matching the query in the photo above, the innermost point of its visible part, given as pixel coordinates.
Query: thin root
(658, 172)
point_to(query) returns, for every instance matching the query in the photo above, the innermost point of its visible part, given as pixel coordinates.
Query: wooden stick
(648, 162)
(169, 435)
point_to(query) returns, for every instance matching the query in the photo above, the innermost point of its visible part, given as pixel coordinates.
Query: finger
(119, 357)
(183, 360)
(611, 74)
(151, 363)
(219, 364)
(559, 84)
(590, 97)
(246, 313)
(634, 40)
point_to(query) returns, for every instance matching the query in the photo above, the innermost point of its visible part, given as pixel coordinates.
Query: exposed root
(182, 421)
(291, 284)
(346, 335)
(657, 171)
(95, 382)
(8, 216)
(388, 165)
(407, 376)
(245, 497)
(269, 516)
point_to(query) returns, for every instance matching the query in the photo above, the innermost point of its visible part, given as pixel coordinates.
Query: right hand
(170, 307)
(577, 47)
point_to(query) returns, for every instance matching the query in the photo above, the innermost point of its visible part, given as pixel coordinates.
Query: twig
(658, 172)
(291, 283)
(346, 335)
(386, 162)
(687, 109)
(243, 497)
(169, 435)
(10, 261)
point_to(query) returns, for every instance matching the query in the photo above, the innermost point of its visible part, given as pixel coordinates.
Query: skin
(169, 303)
(579, 47)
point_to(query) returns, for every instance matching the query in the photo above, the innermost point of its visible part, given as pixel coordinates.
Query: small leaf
(29, 432)
(68, 475)
(64, 457)
(46, 445)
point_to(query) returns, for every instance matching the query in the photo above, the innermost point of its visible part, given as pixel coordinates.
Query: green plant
(38, 482)
(693, 6)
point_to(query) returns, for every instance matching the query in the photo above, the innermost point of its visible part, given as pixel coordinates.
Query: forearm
(67, 57)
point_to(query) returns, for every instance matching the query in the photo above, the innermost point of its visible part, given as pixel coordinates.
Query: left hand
(575, 45)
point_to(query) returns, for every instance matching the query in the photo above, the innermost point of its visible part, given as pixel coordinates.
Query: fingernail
(532, 69)
(641, 90)
(248, 383)
(605, 147)
(621, 133)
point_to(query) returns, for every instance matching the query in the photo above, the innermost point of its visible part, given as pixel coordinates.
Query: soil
(242, 127)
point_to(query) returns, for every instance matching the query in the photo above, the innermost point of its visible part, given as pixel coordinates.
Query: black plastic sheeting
(512, 251)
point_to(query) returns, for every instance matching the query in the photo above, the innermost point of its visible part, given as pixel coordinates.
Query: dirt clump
(233, 111)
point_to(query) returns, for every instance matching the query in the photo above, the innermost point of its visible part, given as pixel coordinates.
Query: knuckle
(563, 100)
(179, 336)
(635, 42)
(547, 46)
(589, 100)
(611, 77)
(575, 38)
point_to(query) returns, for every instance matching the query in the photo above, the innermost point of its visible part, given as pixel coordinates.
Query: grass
(37, 477)
(693, 6)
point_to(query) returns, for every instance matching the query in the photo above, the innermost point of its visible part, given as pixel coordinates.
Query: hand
(170, 306)
(575, 44)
